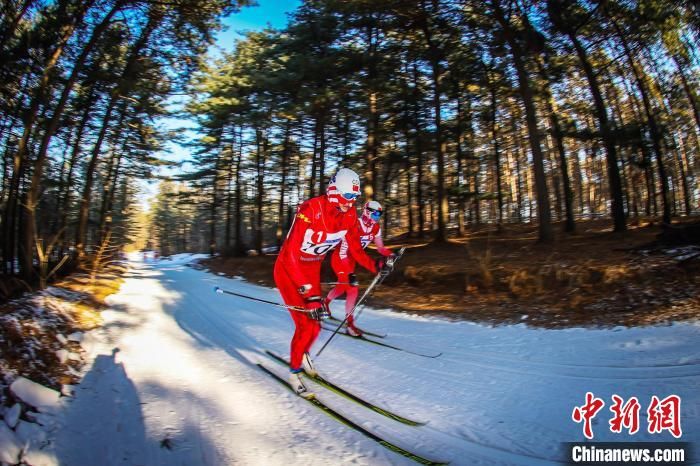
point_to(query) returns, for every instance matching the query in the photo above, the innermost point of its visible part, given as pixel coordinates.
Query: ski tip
(218, 290)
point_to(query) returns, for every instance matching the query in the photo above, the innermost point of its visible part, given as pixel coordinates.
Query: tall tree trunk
(496, 155)
(84, 210)
(614, 181)
(409, 201)
(110, 187)
(557, 135)
(684, 168)
(261, 143)
(419, 152)
(460, 162)
(312, 181)
(322, 156)
(689, 90)
(654, 131)
(408, 162)
(77, 145)
(370, 181)
(229, 197)
(122, 88)
(554, 177)
(107, 217)
(39, 96)
(239, 245)
(213, 214)
(53, 123)
(527, 95)
(283, 183)
(440, 144)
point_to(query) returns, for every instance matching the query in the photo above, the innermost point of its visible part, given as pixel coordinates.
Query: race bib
(366, 240)
(318, 243)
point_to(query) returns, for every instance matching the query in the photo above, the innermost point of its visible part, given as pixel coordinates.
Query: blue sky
(268, 12)
(254, 18)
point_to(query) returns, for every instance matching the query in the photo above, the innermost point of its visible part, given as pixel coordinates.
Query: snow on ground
(174, 381)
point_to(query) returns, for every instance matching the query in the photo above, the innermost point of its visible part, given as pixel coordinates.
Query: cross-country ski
(363, 330)
(364, 338)
(335, 388)
(316, 401)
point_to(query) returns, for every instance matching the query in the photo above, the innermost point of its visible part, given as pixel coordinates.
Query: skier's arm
(292, 249)
(381, 249)
(356, 251)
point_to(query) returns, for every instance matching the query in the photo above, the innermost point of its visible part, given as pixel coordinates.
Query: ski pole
(294, 308)
(369, 288)
(378, 279)
(357, 310)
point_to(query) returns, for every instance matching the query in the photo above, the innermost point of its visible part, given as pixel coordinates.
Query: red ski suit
(344, 264)
(319, 226)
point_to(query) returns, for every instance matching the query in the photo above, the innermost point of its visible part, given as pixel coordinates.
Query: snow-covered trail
(174, 382)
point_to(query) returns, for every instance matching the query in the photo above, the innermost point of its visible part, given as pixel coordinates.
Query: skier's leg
(291, 297)
(306, 330)
(341, 277)
(312, 330)
(297, 350)
(337, 291)
(350, 299)
(313, 327)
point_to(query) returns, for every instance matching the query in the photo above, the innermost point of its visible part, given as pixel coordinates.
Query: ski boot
(298, 385)
(352, 330)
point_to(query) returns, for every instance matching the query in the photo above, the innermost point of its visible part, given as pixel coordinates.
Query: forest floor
(595, 277)
(40, 332)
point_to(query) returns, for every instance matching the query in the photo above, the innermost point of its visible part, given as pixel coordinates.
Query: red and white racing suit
(319, 226)
(343, 263)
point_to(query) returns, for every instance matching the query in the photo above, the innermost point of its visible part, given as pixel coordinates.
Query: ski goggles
(350, 196)
(374, 214)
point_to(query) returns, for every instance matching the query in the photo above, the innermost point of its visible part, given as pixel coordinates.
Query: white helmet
(344, 187)
(372, 210)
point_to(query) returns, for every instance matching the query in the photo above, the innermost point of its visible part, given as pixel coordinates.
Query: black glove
(352, 280)
(384, 266)
(317, 312)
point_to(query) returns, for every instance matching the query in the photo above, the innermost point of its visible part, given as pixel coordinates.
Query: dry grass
(595, 277)
(95, 287)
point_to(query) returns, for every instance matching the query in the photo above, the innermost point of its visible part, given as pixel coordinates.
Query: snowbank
(44, 399)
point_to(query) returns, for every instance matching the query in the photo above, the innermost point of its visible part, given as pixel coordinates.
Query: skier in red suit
(344, 264)
(321, 223)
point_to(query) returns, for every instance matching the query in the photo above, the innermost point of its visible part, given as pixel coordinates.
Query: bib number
(319, 243)
(365, 240)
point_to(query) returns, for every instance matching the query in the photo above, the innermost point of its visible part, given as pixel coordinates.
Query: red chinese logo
(587, 412)
(665, 415)
(662, 415)
(626, 415)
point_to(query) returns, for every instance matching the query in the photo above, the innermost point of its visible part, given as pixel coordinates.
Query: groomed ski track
(175, 381)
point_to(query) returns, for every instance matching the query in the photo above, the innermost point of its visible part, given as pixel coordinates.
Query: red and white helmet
(344, 187)
(372, 210)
